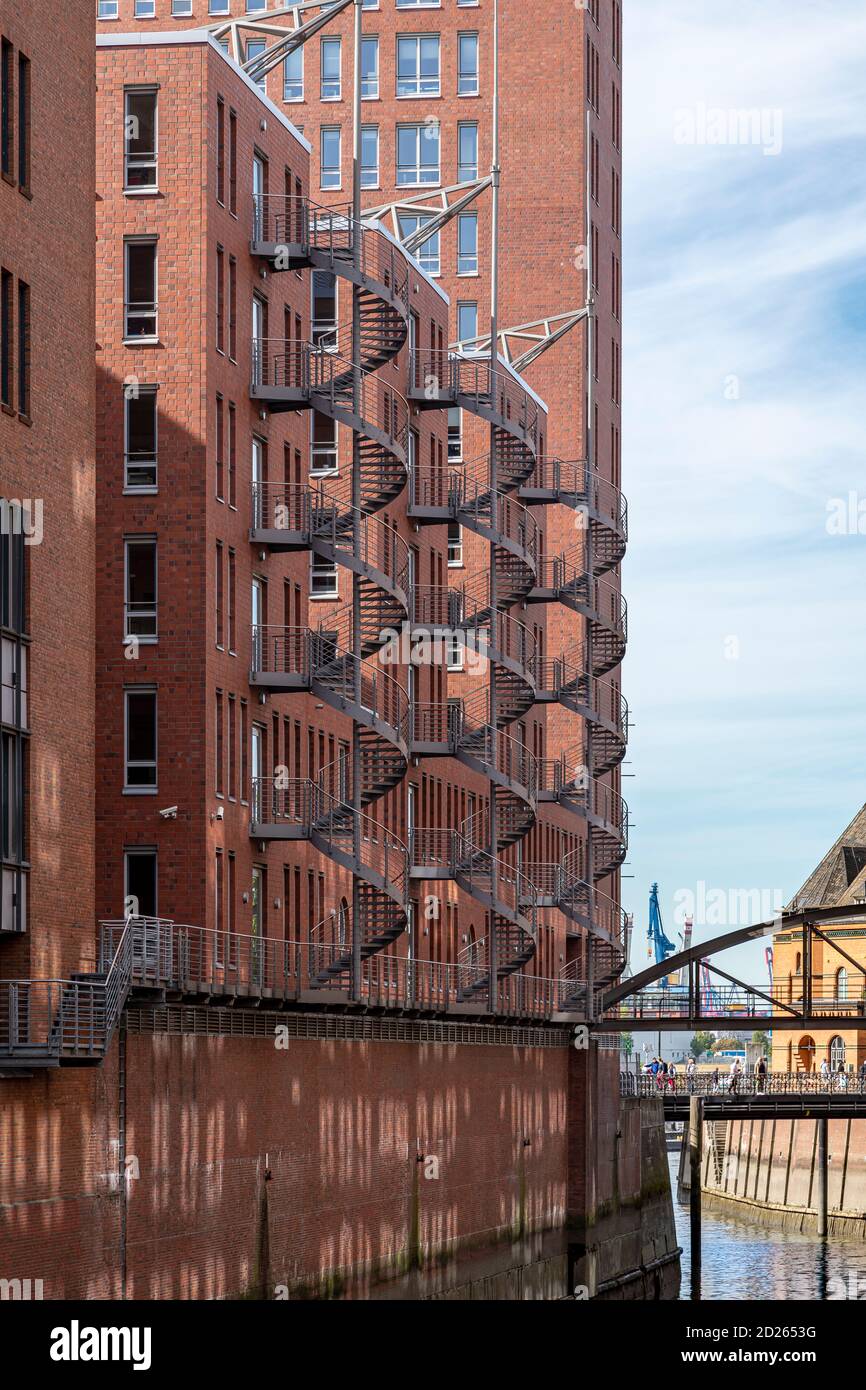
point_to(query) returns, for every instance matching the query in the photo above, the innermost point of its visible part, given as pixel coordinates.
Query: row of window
(13, 722)
(15, 366)
(183, 9)
(15, 126)
(417, 155)
(418, 67)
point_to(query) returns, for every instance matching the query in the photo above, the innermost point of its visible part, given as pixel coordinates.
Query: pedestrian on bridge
(736, 1072)
(761, 1075)
(690, 1075)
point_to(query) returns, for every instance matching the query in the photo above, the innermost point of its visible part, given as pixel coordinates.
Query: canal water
(743, 1261)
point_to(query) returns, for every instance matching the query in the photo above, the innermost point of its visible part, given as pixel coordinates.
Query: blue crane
(658, 942)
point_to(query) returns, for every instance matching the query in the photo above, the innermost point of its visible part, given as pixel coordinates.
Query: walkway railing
(774, 1083)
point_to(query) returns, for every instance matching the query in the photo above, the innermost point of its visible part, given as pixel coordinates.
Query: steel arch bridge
(712, 998)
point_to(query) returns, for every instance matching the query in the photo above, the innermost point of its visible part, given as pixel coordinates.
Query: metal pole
(492, 943)
(696, 1106)
(823, 1166)
(357, 803)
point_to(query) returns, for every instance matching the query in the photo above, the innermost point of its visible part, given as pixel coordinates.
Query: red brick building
(291, 1000)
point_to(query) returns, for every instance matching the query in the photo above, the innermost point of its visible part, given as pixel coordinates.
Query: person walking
(734, 1076)
(761, 1075)
(825, 1071)
(672, 1077)
(716, 1078)
(690, 1076)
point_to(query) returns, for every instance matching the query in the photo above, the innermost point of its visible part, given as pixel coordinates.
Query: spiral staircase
(291, 234)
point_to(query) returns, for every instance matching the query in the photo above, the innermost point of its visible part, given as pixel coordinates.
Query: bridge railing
(773, 1083)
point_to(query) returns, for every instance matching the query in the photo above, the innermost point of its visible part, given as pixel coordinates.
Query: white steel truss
(287, 40)
(541, 334)
(436, 208)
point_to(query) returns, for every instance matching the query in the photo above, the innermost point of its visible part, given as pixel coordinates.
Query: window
(107, 9)
(233, 308)
(454, 651)
(370, 156)
(140, 739)
(140, 447)
(467, 71)
(323, 455)
(7, 352)
(455, 545)
(13, 739)
(331, 83)
(233, 162)
(330, 157)
(24, 121)
(323, 579)
(23, 349)
(140, 605)
(218, 586)
(221, 151)
(139, 882)
(418, 154)
(293, 76)
(467, 243)
(467, 151)
(255, 47)
(7, 98)
(418, 4)
(145, 9)
(140, 293)
(324, 310)
(219, 6)
(220, 299)
(370, 68)
(427, 253)
(418, 65)
(455, 434)
(181, 8)
(219, 742)
(140, 125)
(467, 322)
(231, 609)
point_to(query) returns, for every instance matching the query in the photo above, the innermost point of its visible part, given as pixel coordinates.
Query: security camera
(170, 813)
(221, 813)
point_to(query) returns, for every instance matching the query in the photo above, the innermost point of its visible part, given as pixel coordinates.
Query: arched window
(842, 983)
(837, 1052)
(806, 1053)
(798, 964)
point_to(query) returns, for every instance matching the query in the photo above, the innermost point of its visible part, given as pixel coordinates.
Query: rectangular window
(455, 434)
(467, 243)
(219, 744)
(140, 127)
(427, 254)
(418, 65)
(232, 454)
(181, 8)
(233, 309)
(139, 882)
(293, 76)
(140, 294)
(255, 48)
(370, 156)
(467, 72)
(23, 349)
(331, 157)
(233, 162)
(220, 300)
(324, 310)
(331, 77)
(219, 451)
(140, 447)
(232, 602)
(140, 739)
(107, 9)
(24, 122)
(467, 152)
(219, 6)
(233, 772)
(218, 576)
(221, 151)
(7, 351)
(418, 4)
(467, 322)
(140, 609)
(454, 651)
(323, 579)
(323, 452)
(7, 108)
(455, 545)
(370, 68)
(418, 154)
(145, 9)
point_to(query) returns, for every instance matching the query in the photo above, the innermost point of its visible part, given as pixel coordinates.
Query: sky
(744, 449)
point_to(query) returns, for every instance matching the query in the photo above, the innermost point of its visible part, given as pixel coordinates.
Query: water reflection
(743, 1261)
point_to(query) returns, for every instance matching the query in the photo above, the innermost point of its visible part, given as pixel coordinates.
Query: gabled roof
(840, 878)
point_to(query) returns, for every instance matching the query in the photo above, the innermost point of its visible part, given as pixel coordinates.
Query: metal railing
(704, 1083)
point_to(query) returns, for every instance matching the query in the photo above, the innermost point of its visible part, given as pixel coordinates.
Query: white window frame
(181, 14)
(327, 470)
(365, 168)
(127, 398)
(467, 265)
(473, 89)
(219, 6)
(324, 332)
(108, 9)
(458, 457)
(151, 638)
(299, 55)
(331, 130)
(137, 788)
(421, 133)
(419, 90)
(326, 571)
(466, 304)
(139, 13)
(154, 307)
(470, 178)
(326, 44)
(428, 256)
(455, 547)
(136, 190)
(368, 83)
(455, 651)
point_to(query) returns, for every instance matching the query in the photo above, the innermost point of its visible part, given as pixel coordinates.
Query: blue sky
(745, 404)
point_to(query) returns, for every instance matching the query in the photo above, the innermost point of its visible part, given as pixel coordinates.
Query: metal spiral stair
(290, 234)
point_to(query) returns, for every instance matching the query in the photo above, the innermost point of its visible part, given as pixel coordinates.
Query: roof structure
(840, 878)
